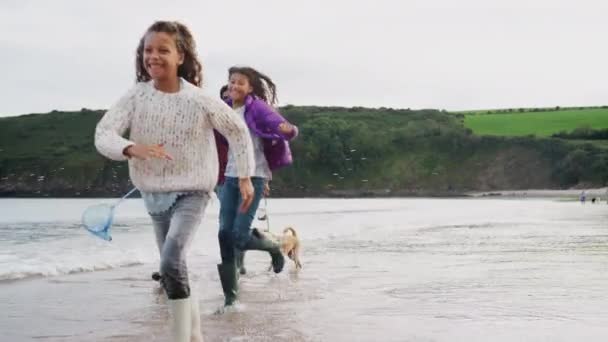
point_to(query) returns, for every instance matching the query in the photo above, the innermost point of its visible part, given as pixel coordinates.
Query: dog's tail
(290, 231)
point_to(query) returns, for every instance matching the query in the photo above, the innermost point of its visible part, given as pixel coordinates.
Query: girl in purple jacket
(252, 95)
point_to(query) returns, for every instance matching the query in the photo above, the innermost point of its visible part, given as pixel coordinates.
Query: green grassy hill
(340, 152)
(540, 123)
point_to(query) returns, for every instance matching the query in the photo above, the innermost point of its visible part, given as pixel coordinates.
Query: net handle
(124, 197)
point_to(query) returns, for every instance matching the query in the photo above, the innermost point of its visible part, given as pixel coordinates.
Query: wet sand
(374, 270)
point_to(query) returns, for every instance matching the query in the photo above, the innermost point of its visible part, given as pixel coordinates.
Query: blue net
(97, 219)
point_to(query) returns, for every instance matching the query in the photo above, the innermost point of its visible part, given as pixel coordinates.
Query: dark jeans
(235, 226)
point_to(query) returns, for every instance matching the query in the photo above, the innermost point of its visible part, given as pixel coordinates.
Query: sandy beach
(374, 269)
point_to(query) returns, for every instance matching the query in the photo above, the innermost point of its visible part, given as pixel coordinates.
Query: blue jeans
(174, 230)
(235, 226)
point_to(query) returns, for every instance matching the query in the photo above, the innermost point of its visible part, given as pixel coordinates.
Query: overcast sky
(445, 54)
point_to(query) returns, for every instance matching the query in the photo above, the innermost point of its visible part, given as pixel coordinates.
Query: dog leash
(266, 210)
(265, 217)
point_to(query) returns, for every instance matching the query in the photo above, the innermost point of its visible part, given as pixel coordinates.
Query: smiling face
(239, 87)
(161, 58)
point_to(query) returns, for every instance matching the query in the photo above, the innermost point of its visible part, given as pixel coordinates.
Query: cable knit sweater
(184, 123)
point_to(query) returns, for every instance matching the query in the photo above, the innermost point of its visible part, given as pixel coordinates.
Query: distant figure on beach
(592, 199)
(172, 156)
(583, 197)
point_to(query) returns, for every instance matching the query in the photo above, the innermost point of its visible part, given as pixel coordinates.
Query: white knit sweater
(184, 123)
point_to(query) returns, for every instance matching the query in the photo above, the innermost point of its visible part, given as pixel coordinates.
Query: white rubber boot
(195, 313)
(181, 320)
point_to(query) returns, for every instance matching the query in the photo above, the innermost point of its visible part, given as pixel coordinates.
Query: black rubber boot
(259, 242)
(240, 261)
(229, 279)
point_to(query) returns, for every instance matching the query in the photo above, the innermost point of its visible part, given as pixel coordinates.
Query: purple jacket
(264, 122)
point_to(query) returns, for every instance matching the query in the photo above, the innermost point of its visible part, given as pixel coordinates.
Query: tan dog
(290, 244)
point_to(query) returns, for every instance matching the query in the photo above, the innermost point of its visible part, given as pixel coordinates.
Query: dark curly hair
(191, 69)
(262, 85)
(223, 90)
